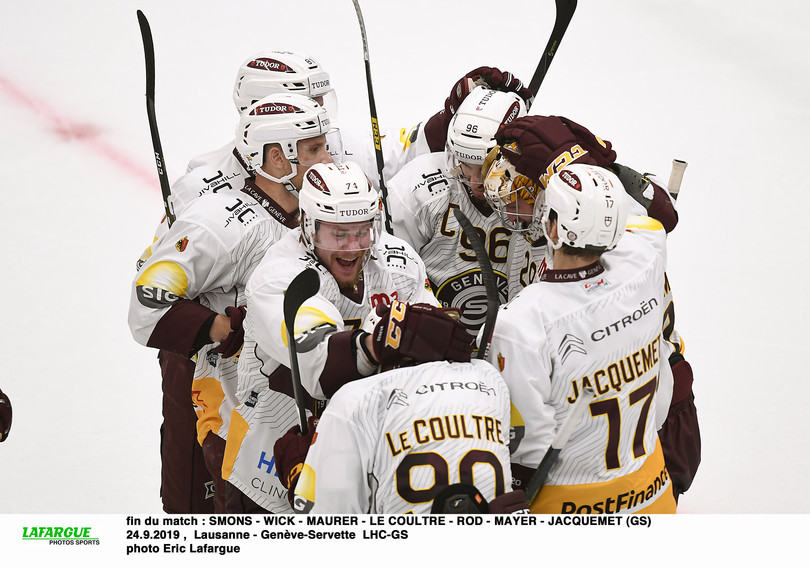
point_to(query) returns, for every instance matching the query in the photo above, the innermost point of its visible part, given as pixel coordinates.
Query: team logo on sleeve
(181, 244)
(161, 284)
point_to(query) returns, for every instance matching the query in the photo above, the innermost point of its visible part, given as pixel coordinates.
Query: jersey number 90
(441, 473)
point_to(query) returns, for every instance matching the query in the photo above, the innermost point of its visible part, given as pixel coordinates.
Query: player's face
(341, 248)
(520, 211)
(310, 152)
(472, 173)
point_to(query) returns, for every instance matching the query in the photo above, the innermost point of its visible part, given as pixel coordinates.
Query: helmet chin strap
(283, 180)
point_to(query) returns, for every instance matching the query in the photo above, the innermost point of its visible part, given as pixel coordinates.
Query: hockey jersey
(267, 408)
(208, 254)
(598, 327)
(390, 442)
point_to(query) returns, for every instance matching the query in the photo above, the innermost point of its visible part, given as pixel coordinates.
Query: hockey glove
(490, 77)
(512, 503)
(540, 146)
(290, 453)
(421, 332)
(233, 343)
(5, 416)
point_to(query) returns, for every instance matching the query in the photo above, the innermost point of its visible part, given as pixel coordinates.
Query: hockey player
(5, 416)
(188, 296)
(361, 269)
(591, 321)
(391, 442)
(424, 193)
(546, 145)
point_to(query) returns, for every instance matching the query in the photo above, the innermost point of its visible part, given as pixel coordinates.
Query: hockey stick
(302, 288)
(558, 443)
(487, 275)
(149, 54)
(565, 11)
(375, 126)
(676, 177)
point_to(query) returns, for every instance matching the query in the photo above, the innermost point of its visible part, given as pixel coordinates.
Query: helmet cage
(503, 186)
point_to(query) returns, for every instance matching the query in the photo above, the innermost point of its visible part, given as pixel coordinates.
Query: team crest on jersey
(466, 292)
(181, 244)
(212, 358)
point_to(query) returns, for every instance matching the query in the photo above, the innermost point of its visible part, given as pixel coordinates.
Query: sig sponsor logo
(154, 297)
(571, 179)
(267, 64)
(274, 108)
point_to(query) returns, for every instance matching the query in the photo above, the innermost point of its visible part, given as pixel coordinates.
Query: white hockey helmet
(283, 119)
(471, 134)
(591, 207)
(339, 194)
(271, 72)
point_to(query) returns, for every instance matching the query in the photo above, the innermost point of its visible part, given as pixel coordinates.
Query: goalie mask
(511, 195)
(340, 210)
(271, 72)
(471, 134)
(281, 119)
(591, 207)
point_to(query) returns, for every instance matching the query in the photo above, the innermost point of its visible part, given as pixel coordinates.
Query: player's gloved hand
(512, 503)
(290, 453)
(233, 343)
(490, 77)
(5, 416)
(540, 146)
(421, 332)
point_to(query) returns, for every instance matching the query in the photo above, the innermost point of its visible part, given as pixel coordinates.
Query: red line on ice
(87, 134)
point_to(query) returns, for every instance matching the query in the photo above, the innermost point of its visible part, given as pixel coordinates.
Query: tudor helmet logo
(571, 179)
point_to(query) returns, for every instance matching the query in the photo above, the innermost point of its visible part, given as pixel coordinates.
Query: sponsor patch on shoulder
(590, 287)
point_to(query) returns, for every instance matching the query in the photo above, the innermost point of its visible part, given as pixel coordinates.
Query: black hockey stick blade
(558, 443)
(149, 55)
(302, 288)
(565, 11)
(488, 277)
(375, 124)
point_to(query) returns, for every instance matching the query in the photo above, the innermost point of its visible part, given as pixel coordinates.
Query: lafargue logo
(274, 108)
(571, 179)
(270, 65)
(512, 113)
(61, 535)
(318, 182)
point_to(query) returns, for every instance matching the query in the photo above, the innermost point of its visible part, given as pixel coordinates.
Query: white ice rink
(724, 85)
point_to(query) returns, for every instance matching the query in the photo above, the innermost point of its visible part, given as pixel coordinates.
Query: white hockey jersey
(395, 272)
(388, 443)
(596, 327)
(422, 196)
(208, 254)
